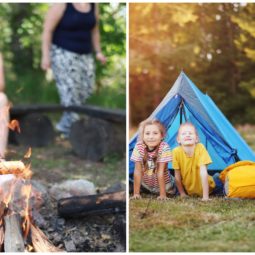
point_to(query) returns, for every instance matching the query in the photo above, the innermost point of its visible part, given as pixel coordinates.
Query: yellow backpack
(239, 180)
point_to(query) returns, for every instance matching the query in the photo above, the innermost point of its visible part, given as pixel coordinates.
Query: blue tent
(185, 102)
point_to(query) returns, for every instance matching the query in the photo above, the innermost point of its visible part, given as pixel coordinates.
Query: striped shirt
(164, 155)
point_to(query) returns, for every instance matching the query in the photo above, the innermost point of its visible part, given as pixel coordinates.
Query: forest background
(21, 26)
(213, 43)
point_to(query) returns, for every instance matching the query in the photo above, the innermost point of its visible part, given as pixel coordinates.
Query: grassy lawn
(220, 225)
(182, 225)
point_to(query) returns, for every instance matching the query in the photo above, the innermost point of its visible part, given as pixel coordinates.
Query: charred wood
(92, 205)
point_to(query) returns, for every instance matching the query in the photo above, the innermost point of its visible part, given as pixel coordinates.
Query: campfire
(70, 224)
(18, 232)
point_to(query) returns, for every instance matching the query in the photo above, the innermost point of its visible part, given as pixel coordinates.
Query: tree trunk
(36, 131)
(93, 138)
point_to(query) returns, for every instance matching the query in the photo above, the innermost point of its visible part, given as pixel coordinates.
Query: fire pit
(32, 220)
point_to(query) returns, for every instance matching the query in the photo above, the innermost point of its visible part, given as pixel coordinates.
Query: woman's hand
(100, 57)
(45, 63)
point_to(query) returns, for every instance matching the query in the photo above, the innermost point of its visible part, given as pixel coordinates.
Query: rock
(69, 246)
(72, 188)
(39, 194)
(119, 186)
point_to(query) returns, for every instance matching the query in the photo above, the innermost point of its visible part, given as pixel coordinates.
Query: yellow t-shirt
(190, 168)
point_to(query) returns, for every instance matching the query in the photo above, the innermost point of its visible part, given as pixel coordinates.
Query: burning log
(92, 205)
(13, 240)
(41, 242)
(93, 138)
(12, 167)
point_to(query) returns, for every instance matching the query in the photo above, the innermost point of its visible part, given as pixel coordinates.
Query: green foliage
(21, 27)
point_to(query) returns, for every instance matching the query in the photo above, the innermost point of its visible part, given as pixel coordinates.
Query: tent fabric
(185, 100)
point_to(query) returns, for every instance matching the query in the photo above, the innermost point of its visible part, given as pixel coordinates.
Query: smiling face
(187, 136)
(152, 136)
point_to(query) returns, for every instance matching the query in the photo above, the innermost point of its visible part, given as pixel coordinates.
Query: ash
(104, 233)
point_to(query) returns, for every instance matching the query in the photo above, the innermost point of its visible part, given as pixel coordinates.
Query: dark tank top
(74, 31)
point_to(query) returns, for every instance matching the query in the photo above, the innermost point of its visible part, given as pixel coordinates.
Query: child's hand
(162, 198)
(135, 196)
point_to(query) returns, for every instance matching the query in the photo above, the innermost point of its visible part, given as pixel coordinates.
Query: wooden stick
(41, 242)
(13, 240)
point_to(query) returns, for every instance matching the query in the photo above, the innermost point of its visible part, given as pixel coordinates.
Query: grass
(56, 163)
(190, 225)
(178, 225)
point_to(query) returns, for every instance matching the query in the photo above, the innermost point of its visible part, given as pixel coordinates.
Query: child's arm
(161, 180)
(178, 181)
(204, 180)
(137, 180)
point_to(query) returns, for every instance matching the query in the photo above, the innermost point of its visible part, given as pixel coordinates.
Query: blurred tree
(20, 41)
(205, 40)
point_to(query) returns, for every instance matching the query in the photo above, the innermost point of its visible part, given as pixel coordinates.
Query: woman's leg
(62, 62)
(74, 74)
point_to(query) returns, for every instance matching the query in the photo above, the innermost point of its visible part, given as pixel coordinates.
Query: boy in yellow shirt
(190, 162)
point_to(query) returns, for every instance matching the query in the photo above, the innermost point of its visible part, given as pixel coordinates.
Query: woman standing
(70, 36)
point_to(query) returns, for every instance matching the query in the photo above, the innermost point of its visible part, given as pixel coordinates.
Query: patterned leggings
(75, 77)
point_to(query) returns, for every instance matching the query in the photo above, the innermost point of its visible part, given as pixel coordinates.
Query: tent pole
(181, 106)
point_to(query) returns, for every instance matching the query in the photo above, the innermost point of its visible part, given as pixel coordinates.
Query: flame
(14, 125)
(27, 173)
(29, 153)
(26, 191)
(8, 198)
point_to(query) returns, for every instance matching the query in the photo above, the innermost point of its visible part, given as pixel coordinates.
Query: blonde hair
(162, 130)
(184, 125)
